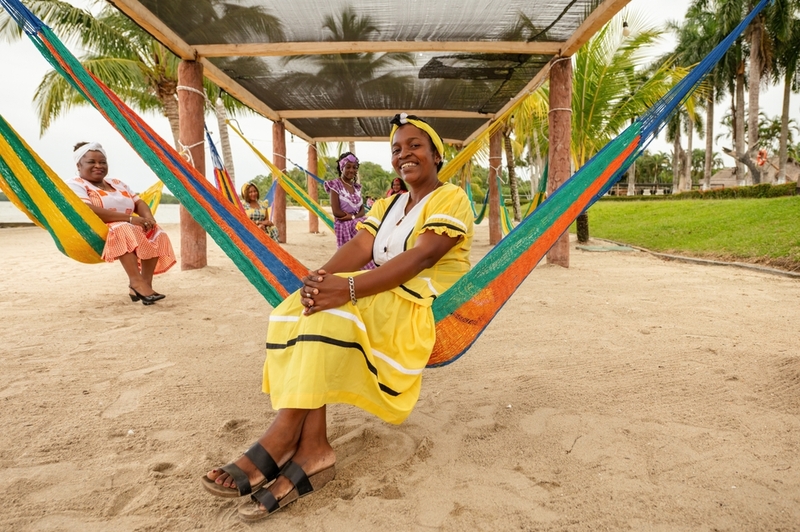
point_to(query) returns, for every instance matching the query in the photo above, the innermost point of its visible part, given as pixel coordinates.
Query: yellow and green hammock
(47, 201)
(463, 311)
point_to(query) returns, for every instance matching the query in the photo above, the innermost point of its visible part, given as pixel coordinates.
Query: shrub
(763, 190)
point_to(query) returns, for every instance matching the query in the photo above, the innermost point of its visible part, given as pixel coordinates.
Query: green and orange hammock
(463, 311)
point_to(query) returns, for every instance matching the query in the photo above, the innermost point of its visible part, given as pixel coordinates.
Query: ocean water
(166, 214)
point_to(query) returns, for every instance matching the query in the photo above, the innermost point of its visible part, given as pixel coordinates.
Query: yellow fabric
(448, 211)
(71, 242)
(152, 196)
(424, 126)
(370, 355)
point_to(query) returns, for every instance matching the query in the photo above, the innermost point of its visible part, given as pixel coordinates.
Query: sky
(23, 67)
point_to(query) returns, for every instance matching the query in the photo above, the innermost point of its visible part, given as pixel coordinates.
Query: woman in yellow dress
(356, 337)
(258, 210)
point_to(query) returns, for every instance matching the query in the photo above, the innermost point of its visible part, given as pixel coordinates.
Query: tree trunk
(738, 137)
(582, 227)
(755, 87)
(170, 104)
(709, 161)
(631, 180)
(512, 174)
(224, 138)
(676, 157)
(352, 147)
(687, 175)
(783, 154)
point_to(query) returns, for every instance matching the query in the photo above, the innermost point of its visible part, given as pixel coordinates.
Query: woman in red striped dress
(134, 237)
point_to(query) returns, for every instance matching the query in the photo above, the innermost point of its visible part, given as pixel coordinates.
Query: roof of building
(338, 69)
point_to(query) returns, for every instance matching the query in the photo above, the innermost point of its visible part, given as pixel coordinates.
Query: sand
(623, 393)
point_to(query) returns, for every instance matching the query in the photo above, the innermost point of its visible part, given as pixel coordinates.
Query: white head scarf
(89, 146)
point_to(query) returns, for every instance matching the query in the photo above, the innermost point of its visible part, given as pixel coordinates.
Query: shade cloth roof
(336, 69)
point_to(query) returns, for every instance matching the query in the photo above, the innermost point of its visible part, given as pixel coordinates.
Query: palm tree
(349, 79)
(697, 35)
(141, 71)
(608, 90)
(785, 29)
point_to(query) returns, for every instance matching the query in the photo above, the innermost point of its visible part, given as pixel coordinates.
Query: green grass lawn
(752, 230)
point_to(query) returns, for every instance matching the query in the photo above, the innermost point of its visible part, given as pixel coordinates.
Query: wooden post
(279, 160)
(495, 164)
(191, 118)
(313, 221)
(560, 134)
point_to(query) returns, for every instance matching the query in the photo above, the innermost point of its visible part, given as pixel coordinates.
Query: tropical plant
(784, 27)
(140, 70)
(346, 79)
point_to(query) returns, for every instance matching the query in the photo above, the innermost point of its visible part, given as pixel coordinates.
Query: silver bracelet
(352, 284)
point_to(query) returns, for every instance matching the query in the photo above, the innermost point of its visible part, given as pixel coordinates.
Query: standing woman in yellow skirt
(356, 337)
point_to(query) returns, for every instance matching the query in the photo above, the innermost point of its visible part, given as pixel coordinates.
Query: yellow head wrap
(404, 118)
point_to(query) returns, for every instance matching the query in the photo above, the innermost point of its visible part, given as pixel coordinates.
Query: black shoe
(133, 297)
(146, 300)
(157, 296)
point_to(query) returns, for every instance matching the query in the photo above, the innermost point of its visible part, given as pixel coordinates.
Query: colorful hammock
(35, 189)
(293, 189)
(221, 175)
(462, 312)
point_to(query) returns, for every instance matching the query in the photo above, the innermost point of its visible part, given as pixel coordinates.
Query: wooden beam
(282, 49)
(455, 142)
(596, 20)
(372, 113)
(155, 27)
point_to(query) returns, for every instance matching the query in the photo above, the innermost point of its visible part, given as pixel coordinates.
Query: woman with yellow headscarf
(356, 337)
(258, 209)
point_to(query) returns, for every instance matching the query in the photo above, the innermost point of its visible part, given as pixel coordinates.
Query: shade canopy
(336, 69)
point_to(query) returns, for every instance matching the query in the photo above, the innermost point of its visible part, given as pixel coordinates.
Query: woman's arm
(336, 207)
(330, 291)
(108, 216)
(353, 255)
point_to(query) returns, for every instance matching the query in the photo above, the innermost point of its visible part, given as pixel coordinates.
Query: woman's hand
(146, 223)
(322, 291)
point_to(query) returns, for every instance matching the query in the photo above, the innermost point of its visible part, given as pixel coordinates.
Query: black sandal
(303, 485)
(263, 462)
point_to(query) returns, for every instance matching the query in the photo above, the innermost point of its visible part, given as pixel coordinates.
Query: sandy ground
(623, 393)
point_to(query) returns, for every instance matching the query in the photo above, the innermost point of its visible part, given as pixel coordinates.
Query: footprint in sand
(128, 402)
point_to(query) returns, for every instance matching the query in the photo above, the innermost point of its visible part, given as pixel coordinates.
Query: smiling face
(252, 193)
(349, 171)
(413, 156)
(93, 166)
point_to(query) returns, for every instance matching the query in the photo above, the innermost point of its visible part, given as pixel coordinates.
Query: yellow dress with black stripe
(370, 355)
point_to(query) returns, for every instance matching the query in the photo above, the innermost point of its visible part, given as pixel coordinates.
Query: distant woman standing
(346, 201)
